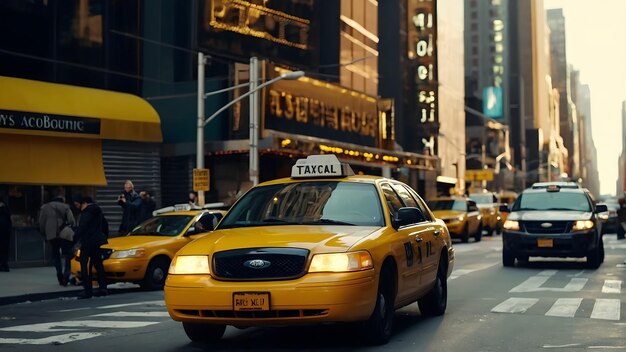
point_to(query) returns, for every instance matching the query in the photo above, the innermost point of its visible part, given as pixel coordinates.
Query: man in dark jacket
(146, 207)
(5, 235)
(129, 200)
(91, 237)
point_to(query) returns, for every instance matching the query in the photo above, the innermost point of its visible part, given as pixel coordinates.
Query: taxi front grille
(554, 228)
(278, 263)
(268, 314)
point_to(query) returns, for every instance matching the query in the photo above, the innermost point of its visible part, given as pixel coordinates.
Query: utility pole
(200, 126)
(254, 121)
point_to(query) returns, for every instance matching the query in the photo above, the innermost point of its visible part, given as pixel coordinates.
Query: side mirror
(407, 216)
(504, 208)
(190, 231)
(601, 208)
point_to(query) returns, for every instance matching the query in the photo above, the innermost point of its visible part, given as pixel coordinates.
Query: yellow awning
(121, 116)
(42, 160)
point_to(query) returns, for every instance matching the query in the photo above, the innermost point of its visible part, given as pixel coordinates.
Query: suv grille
(557, 226)
(284, 263)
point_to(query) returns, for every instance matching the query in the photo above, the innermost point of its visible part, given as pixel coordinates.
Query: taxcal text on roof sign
(317, 166)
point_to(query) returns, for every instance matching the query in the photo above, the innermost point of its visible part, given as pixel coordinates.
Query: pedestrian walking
(54, 218)
(129, 200)
(621, 219)
(5, 236)
(146, 207)
(91, 235)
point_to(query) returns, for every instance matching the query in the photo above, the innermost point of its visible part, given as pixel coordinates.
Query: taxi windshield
(307, 203)
(447, 205)
(553, 201)
(170, 225)
(482, 198)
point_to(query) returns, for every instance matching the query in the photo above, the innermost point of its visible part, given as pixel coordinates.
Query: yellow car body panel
(312, 297)
(458, 221)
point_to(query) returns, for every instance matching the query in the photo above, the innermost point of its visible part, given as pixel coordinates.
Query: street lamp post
(254, 112)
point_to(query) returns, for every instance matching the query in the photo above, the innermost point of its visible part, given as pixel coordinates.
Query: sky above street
(595, 36)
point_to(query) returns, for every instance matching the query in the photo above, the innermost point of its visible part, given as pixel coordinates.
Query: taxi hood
(316, 238)
(129, 242)
(549, 215)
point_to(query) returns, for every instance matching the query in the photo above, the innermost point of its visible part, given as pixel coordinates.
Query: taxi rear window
(307, 203)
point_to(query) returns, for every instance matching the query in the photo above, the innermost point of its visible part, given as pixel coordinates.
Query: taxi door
(408, 248)
(473, 216)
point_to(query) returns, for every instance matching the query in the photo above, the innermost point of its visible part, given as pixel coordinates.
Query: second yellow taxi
(461, 215)
(324, 246)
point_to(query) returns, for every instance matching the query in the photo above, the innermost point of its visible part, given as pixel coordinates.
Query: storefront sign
(21, 120)
(324, 110)
(201, 180)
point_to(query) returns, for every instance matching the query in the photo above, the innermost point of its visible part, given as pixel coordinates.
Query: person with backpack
(54, 218)
(91, 233)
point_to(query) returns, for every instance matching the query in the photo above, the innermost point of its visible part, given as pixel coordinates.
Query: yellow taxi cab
(460, 214)
(143, 256)
(324, 246)
(490, 210)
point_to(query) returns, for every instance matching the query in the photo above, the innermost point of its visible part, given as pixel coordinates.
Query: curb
(37, 297)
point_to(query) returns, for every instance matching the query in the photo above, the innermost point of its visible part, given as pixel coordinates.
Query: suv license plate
(545, 243)
(251, 301)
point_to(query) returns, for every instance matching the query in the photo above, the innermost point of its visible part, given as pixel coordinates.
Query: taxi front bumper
(456, 228)
(313, 298)
(577, 244)
(118, 270)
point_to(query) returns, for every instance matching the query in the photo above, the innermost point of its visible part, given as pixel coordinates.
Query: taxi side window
(393, 201)
(408, 200)
(420, 203)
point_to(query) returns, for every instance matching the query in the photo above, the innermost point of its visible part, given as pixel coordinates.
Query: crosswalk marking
(156, 303)
(470, 269)
(612, 286)
(606, 309)
(133, 314)
(535, 283)
(565, 307)
(515, 305)
(73, 324)
(56, 340)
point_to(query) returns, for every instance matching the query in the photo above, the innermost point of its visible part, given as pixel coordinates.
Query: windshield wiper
(330, 221)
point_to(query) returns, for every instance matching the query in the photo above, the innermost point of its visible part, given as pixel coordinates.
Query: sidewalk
(32, 284)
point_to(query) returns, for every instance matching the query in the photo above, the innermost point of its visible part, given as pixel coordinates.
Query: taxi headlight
(581, 225)
(190, 264)
(511, 225)
(128, 253)
(492, 211)
(341, 262)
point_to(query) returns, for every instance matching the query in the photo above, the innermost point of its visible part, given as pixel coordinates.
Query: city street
(540, 305)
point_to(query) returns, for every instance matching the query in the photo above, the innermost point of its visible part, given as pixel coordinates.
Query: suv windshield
(575, 201)
(316, 202)
(447, 205)
(170, 225)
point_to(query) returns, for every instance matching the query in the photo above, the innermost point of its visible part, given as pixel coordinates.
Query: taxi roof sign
(320, 166)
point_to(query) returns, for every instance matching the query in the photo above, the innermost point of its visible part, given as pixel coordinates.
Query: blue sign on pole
(492, 102)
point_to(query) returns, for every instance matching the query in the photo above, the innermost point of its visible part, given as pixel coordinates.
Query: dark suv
(554, 222)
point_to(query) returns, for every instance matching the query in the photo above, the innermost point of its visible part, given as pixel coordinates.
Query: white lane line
(158, 303)
(606, 309)
(132, 314)
(515, 305)
(470, 269)
(547, 273)
(56, 340)
(74, 324)
(565, 307)
(612, 286)
(561, 346)
(607, 347)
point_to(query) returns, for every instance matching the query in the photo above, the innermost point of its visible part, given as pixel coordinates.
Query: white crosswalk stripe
(606, 309)
(565, 307)
(133, 314)
(612, 286)
(515, 305)
(536, 283)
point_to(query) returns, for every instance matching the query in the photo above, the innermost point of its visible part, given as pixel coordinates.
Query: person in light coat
(52, 217)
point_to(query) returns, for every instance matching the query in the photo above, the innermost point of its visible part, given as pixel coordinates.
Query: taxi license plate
(251, 301)
(545, 243)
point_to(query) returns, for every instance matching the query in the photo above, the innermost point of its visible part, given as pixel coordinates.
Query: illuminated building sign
(498, 53)
(320, 109)
(278, 29)
(422, 34)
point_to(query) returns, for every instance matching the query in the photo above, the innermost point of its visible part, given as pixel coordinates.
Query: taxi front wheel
(198, 332)
(436, 301)
(377, 329)
(155, 274)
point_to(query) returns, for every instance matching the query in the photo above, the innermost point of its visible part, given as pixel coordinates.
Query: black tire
(436, 300)
(198, 332)
(489, 231)
(595, 257)
(378, 328)
(156, 274)
(601, 249)
(479, 233)
(465, 235)
(499, 228)
(508, 259)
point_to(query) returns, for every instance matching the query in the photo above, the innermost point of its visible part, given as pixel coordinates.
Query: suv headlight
(341, 262)
(190, 264)
(128, 253)
(581, 225)
(511, 225)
